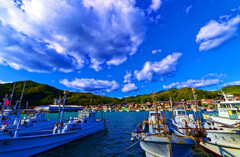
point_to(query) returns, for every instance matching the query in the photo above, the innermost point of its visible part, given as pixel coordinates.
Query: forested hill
(41, 94)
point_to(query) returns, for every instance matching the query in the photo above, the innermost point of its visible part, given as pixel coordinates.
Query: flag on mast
(7, 102)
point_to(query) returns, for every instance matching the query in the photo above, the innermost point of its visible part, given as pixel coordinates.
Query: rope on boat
(170, 146)
(130, 146)
(204, 151)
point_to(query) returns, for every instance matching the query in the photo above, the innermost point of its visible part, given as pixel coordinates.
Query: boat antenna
(224, 95)
(171, 104)
(58, 101)
(27, 104)
(22, 95)
(12, 95)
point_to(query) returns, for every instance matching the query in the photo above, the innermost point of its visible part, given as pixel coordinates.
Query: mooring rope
(130, 146)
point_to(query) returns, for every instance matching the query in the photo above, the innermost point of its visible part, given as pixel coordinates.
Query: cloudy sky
(123, 47)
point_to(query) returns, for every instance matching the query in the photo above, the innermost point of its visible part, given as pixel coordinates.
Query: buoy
(132, 139)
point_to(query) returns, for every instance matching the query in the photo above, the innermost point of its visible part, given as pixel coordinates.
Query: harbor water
(110, 141)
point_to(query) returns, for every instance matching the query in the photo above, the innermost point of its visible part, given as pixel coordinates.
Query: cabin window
(153, 114)
(91, 114)
(223, 105)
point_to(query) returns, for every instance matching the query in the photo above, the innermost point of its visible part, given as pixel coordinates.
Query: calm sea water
(110, 141)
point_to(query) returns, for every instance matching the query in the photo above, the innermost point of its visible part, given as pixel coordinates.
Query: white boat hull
(31, 145)
(221, 150)
(223, 143)
(158, 146)
(225, 120)
(155, 149)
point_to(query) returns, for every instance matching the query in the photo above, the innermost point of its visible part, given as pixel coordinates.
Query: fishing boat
(228, 111)
(35, 121)
(158, 139)
(225, 138)
(10, 118)
(28, 143)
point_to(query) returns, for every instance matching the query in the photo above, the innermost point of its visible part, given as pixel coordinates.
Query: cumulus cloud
(2, 82)
(215, 33)
(127, 77)
(155, 5)
(165, 67)
(91, 85)
(156, 51)
(205, 81)
(49, 35)
(129, 88)
(231, 83)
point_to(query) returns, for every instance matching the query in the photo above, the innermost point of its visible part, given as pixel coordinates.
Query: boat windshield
(235, 105)
(181, 112)
(86, 114)
(225, 106)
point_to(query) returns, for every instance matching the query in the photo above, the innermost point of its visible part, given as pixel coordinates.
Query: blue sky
(123, 47)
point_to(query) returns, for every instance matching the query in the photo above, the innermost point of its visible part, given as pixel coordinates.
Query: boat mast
(22, 95)
(59, 105)
(194, 97)
(12, 95)
(61, 119)
(171, 104)
(156, 109)
(4, 104)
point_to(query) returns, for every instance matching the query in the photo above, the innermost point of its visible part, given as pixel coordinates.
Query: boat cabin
(179, 112)
(87, 116)
(230, 108)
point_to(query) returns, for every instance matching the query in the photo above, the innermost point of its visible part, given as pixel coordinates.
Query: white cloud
(49, 35)
(127, 77)
(188, 9)
(129, 88)
(231, 83)
(155, 5)
(156, 51)
(91, 85)
(2, 82)
(206, 81)
(214, 33)
(165, 67)
(235, 9)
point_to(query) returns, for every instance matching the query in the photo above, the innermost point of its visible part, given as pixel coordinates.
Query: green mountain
(235, 90)
(41, 94)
